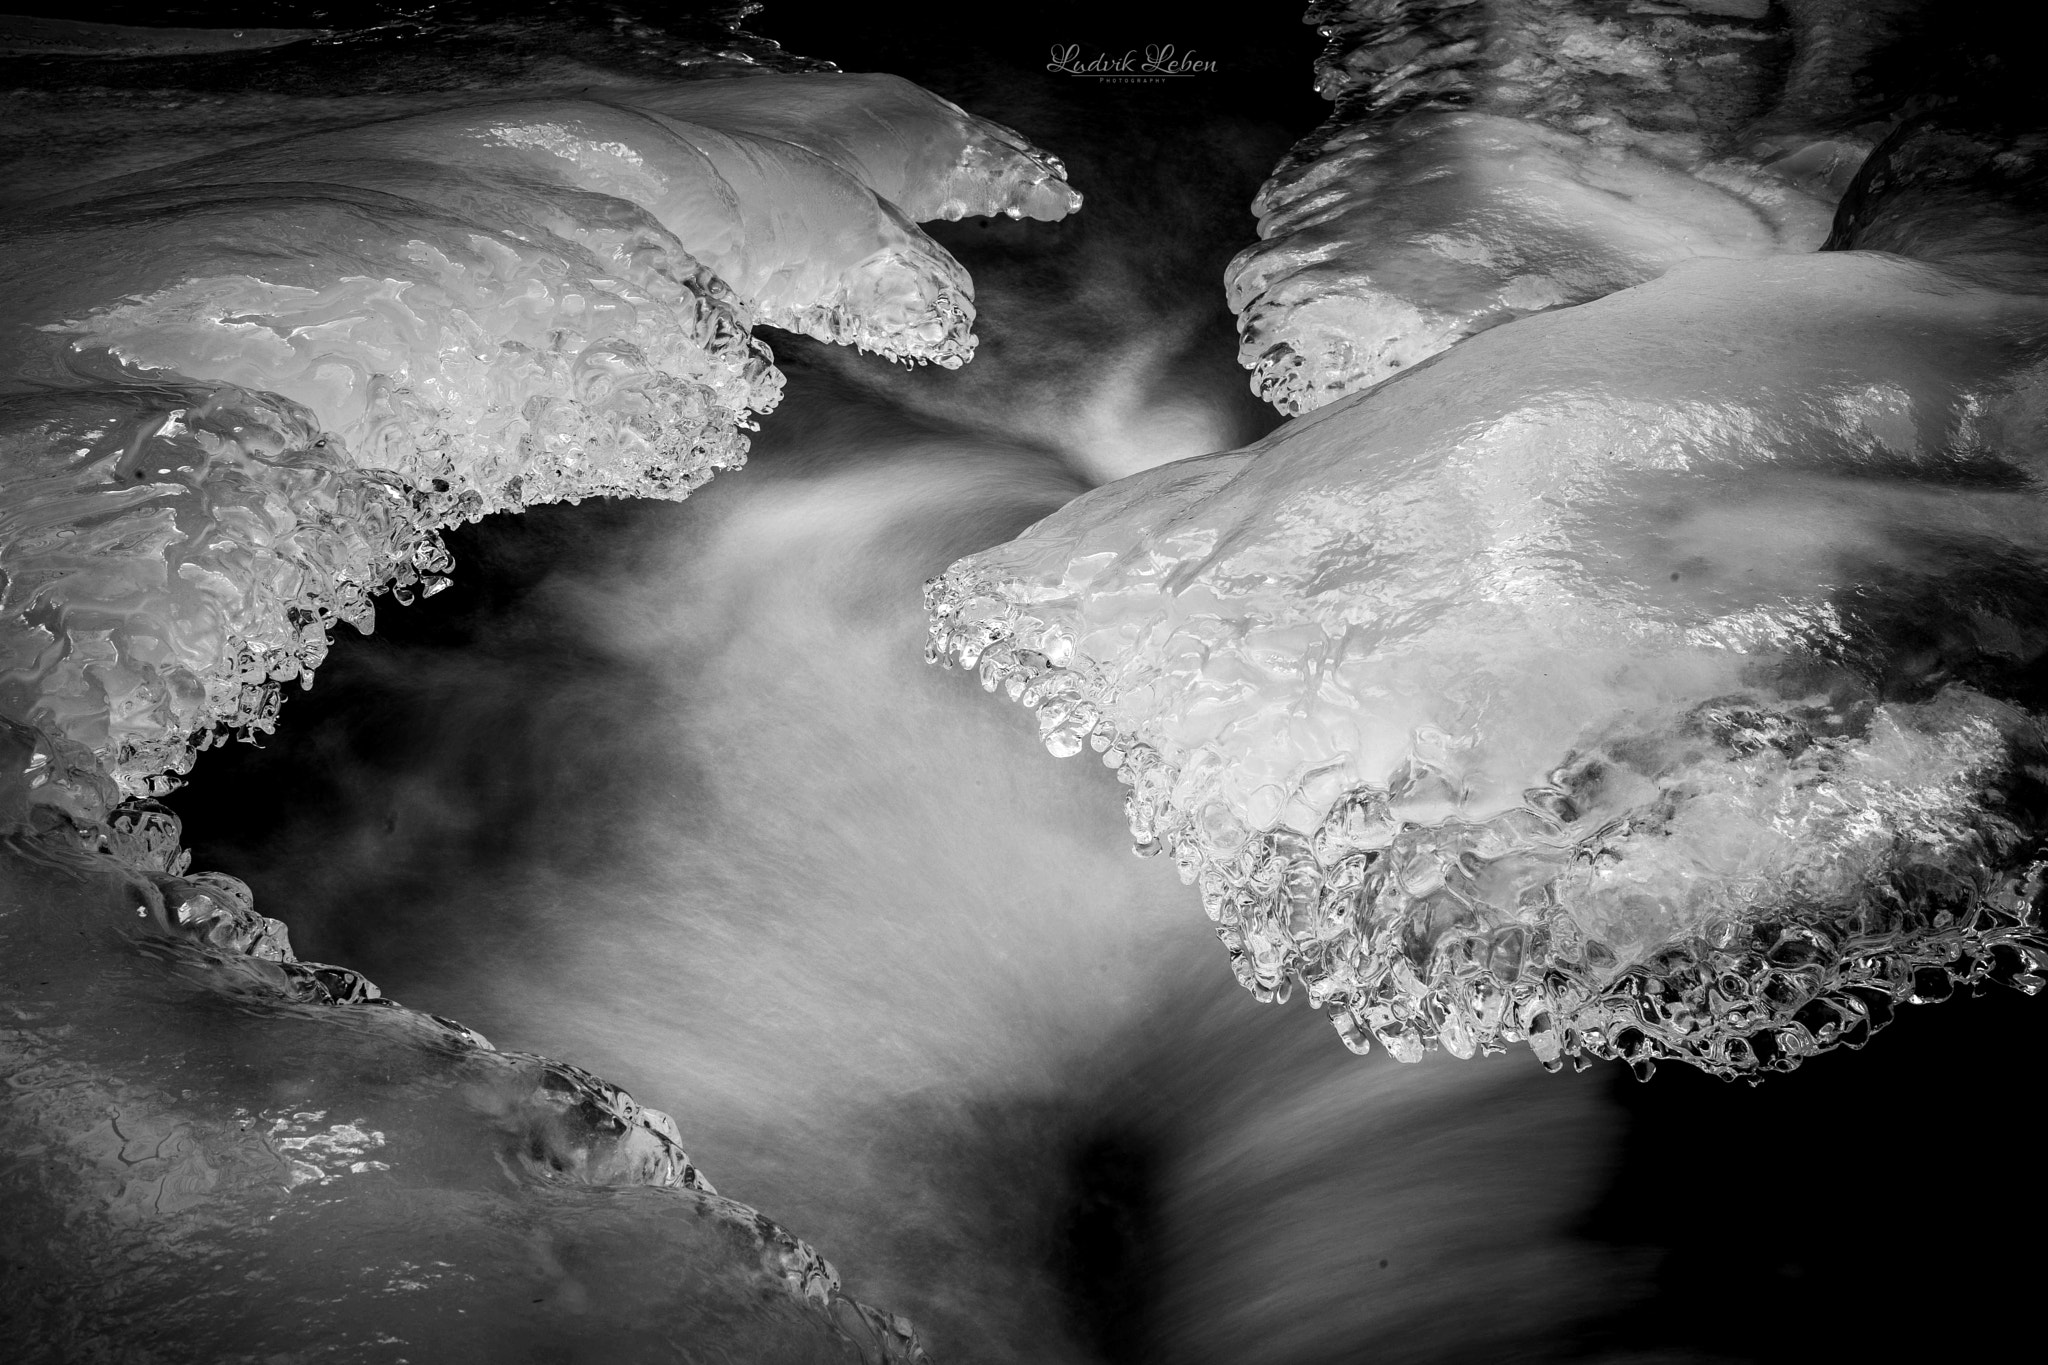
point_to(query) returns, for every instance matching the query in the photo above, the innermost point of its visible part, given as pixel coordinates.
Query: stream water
(667, 791)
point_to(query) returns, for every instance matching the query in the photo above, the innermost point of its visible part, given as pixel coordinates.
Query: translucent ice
(1643, 679)
(248, 388)
(804, 243)
(1489, 159)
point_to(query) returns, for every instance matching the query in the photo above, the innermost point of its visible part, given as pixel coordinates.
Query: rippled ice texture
(1626, 680)
(1491, 159)
(246, 390)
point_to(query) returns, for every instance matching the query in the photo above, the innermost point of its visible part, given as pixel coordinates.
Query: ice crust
(1638, 680)
(1491, 159)
(246, 390)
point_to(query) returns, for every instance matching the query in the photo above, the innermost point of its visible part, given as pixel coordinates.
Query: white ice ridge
(1629, 680)
(1490, 159)
(242, 393)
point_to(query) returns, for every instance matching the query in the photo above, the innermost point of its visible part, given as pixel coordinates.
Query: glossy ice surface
(1492, 159)
(288, 364)
(925, 155)
(1639, 679)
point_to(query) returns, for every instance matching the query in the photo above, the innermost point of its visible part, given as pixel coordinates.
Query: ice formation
(1651, 679)
(1491, 159)
(247, 375)
(291, 363)
(925, 155)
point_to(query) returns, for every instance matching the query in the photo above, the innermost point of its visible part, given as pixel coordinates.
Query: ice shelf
(244, 392)
(1647, 679)
(1491, 159)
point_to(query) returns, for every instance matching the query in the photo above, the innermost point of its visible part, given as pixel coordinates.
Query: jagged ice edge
(1294, 907)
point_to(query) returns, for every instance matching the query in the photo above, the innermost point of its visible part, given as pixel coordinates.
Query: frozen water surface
(293, 362)
(256, 360)
(1647, 679)
(1491, 159)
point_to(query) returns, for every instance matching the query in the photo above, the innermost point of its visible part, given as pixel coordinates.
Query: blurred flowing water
(668, 792)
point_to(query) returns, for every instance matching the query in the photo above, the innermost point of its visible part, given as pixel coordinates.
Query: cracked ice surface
(1645, 679)
(245, 390)
(1490, 159)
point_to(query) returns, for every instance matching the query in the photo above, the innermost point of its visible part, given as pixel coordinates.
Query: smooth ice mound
(925, 155)
(1648, 679)
(1491, 159)
(246, 390)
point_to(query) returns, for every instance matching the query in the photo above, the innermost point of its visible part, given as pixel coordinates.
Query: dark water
(667, 791)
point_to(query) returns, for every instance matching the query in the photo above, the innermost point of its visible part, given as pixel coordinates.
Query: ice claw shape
(294, 362)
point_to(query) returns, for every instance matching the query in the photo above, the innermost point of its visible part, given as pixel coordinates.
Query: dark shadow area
(1105, 1253)
(1874, 1204)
